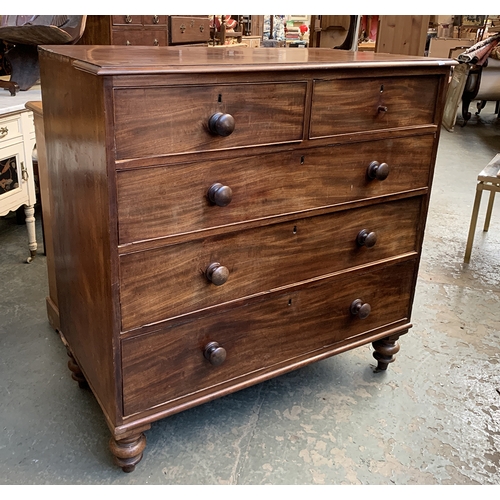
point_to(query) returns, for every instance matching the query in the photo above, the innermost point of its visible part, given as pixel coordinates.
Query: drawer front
(264, 186)
(139, 37)
(189, 29)
(170, 281)
(126, 20)
(10, 128)
(172, 120)
(363, 104)
(279, 328)
(154, 20)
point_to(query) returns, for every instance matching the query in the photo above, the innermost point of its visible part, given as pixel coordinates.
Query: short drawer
(154, 20)
(264, 332)
(161, 201)
(174, 280)
(364, 104)
(126, 20)
(10, 128)
(189, 29)
(139, 37)
(173, 120)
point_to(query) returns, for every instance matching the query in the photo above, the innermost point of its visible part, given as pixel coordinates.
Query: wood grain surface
(264, 185)
(158, 284)
(354, 105)
(170, 120)
(261, 333)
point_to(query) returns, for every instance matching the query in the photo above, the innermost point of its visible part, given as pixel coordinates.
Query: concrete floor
(432, 418)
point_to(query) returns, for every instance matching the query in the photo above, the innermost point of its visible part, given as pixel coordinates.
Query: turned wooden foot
(76, 373)
(128, 452)
(384, 351)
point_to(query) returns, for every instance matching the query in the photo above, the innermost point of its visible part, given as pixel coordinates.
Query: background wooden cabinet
(402, 35)
(395, 34)
(146, 30)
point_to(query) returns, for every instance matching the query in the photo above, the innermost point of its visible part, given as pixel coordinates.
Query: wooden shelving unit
(294, 37)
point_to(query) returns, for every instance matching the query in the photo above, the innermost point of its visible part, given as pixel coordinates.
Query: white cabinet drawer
(10, 128)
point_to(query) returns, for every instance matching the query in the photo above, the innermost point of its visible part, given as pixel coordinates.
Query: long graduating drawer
(261, 333)
(169, 281)
(363, 104)
(139, 37)
(172, 120)
(161, 201)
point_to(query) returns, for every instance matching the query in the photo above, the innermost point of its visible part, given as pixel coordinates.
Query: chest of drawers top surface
(105, 60)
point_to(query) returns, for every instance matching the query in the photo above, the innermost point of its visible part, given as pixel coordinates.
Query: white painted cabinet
(17, 181)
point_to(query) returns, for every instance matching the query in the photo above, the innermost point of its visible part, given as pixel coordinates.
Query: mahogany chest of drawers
(227, 215)
(149, 30)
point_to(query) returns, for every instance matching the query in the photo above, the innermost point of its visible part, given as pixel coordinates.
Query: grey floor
(432, 418)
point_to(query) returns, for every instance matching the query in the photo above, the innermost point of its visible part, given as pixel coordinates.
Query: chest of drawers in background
(146, 30)
(231, 216)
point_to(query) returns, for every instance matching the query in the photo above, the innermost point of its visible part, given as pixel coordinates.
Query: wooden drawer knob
(360, 309)
(215, 354)
(217, 274)
(221, 124)
(220, 195)
(366, 238)
(378, 171)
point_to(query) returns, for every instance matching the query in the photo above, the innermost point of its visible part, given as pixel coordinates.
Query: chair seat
(491, 173)
(35, 35)
(488, 180)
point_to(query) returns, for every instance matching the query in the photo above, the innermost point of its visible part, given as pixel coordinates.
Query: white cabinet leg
(29, 211)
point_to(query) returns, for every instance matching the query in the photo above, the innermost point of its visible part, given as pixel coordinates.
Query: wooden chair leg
(473, 223)
(489, 210)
